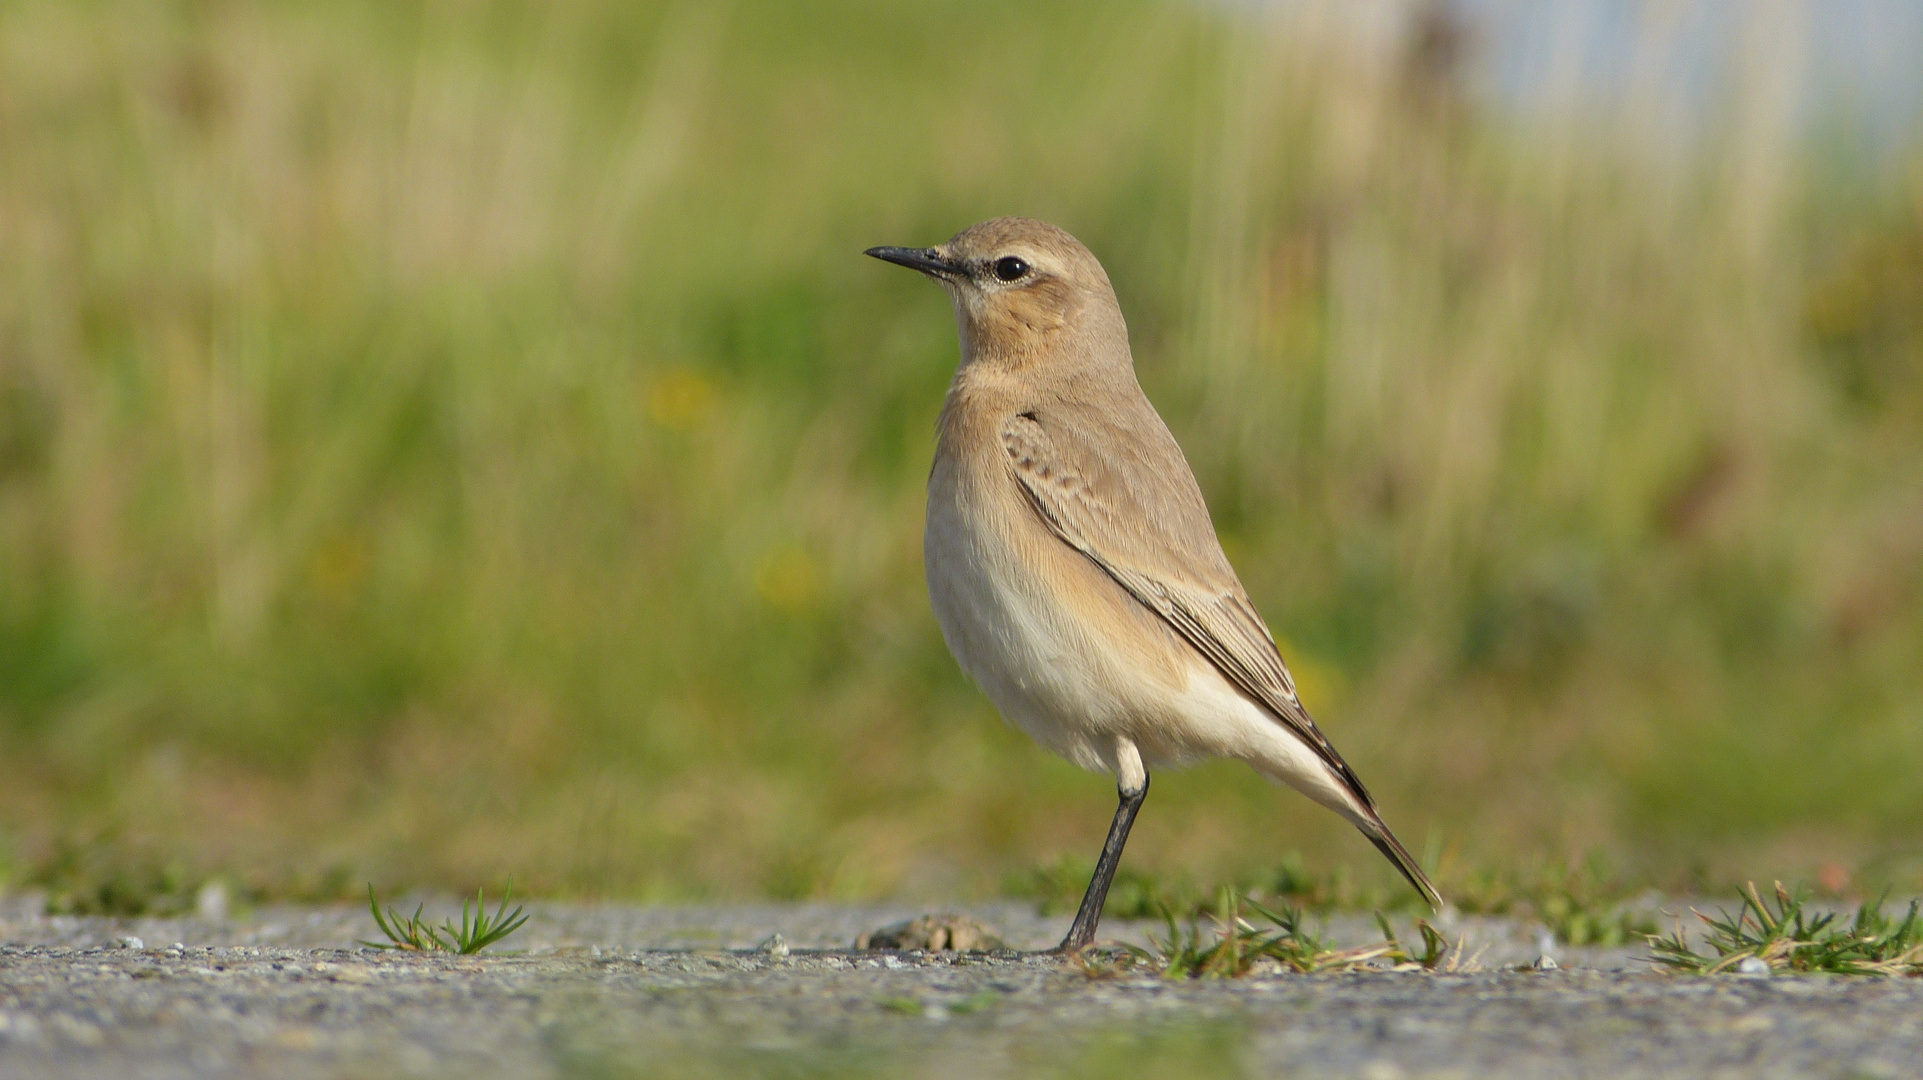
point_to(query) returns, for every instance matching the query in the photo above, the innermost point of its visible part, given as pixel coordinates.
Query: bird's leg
(1082, 931)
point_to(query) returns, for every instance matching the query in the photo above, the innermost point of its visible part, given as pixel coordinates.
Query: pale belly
(1016, 612)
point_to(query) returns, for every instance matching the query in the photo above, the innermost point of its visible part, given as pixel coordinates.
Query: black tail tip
(1404, 862)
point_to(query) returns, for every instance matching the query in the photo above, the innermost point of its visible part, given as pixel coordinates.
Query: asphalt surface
(614, 991)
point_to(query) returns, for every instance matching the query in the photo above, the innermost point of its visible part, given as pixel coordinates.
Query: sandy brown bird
(1071, 560)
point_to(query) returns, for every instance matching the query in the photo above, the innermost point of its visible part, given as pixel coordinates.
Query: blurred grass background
(451, 439)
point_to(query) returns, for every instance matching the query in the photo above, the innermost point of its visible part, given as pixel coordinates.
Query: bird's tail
(1386, 842)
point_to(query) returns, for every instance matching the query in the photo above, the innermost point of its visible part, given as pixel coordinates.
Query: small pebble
(1752, 965)
(132, 943)
(1546, 962)
(775, 945)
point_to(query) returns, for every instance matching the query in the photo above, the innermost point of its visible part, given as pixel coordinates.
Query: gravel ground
(612, 991)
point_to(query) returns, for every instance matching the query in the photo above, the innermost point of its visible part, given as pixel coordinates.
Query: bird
(1072, 563)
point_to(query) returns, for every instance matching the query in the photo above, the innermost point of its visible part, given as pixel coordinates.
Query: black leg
(1082, 932)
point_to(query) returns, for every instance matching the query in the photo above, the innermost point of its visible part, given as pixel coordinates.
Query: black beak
(927, 260)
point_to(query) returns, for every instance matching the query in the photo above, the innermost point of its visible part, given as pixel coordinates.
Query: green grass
(1780, 935)
(439, 442)
(476, 931)
(1246, 935)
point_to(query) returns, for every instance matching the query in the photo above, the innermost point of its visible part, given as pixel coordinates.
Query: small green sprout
(1782, 936)
(477, 929)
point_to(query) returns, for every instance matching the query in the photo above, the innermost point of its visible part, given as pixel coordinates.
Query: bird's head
(1021, 288)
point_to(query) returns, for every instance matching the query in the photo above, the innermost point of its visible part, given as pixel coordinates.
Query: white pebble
(1546, 962)
(1752, 965)
(132, 943)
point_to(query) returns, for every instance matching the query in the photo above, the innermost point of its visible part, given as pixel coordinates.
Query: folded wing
(1173, 565)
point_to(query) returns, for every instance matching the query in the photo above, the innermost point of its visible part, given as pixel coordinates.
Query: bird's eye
(1009, 268)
